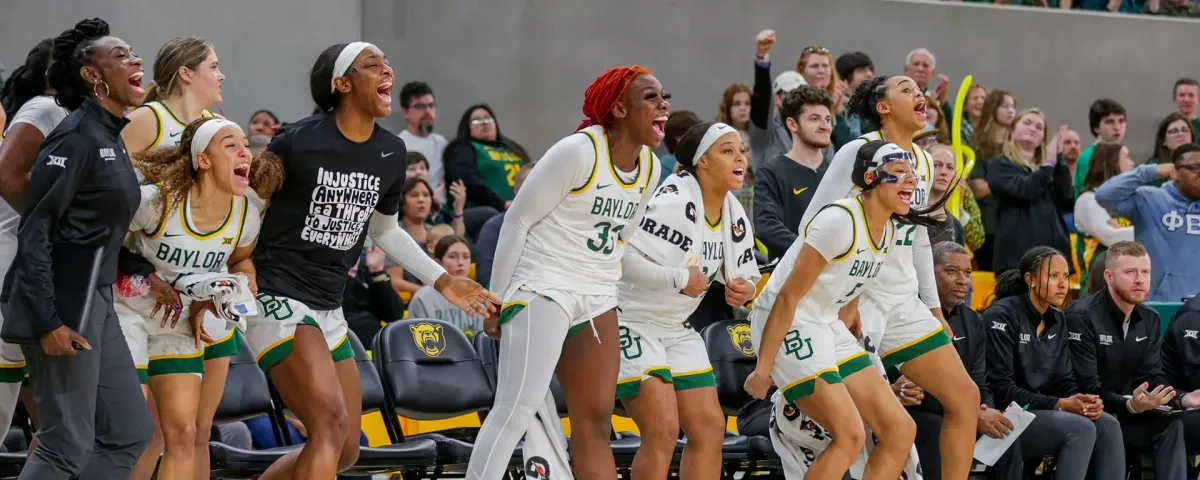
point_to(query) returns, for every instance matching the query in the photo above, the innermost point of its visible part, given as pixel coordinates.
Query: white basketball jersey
(177, 247)
(577, 247)
(170, 127)
(898, 279)
(670, 309)
(844, 277)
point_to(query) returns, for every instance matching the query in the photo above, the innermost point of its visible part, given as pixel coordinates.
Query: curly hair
(793, 102)
(72, 50)
(171, 167)
(864, 101)
(28, 80)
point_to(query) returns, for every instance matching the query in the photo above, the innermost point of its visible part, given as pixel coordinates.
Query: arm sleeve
(1063, 189)
(563, 167)
(828, 235)
(149, 212)
(51, 188)
(642, 272)
(460, 165)
(922, 252)
(1011, 184)
(1001, 349)
(836, 183)
(761, 96)
(1120, 193)
(385, 231)
(385, 302)
(1083, 360)
(768, 210)
(1092, 219)
(977, 365)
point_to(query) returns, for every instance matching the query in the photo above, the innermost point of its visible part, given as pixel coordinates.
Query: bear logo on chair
(740, 335)
(428, 337)
(537, 468)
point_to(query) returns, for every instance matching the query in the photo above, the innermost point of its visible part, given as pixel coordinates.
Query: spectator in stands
(1106, 118)
(999, 108)
(972, 112)
(368, 300)
(935, 121)
(1181, 365)
(263, 122)
(816, 66)
(1115, 350)
(1122, 6)
(734, 111)
(1032, 187)
(1097, 227)
(852, 69)
(420, 112)
(435, 235)
(1070, 149)
(1166, 219)
(769, 137)
(952, 269)
(920, 65)
(454, 253)
(677, 124)
(1028, 363)
(943, 175)
(489, 235)
(1173, 131)
(786, 183)
(1185, 95)
(258, 143)
(486, 161)
(448, 213)
(414, 216)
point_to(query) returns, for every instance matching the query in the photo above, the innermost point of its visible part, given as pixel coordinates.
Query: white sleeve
(922, 252)
(1092, 219)
(641, 271)
(252, 223)
(564, 167)
(41, 112)
(837, 183)
(828, 233)
(149, 212)
(386, 233)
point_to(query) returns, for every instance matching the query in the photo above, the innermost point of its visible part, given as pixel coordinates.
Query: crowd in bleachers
(1174, 8)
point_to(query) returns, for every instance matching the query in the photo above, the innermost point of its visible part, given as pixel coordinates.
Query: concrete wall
(532, 59)
(266, 47)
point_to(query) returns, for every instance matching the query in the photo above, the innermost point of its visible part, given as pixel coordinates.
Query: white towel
(544, 454)
(230, 293)
(684, 199)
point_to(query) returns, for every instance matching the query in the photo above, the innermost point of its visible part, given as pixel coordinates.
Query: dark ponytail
(320, 77)
(915, 216)
(1036, 261)
(28, 80)
(862, 103)
(73, 50)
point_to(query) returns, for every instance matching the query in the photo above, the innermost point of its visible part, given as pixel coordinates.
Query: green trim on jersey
(805, 387)
(853, 364)
(916, 348)
(227, 347)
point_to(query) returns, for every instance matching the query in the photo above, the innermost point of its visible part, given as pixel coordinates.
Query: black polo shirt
(1109, 361)
(1023, 366)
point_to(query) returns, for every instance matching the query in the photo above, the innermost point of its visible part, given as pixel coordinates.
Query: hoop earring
(96, 88)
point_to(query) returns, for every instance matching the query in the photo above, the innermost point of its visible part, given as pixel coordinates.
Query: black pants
(93, 420)
(1191, 430)
(929, 427)
(1158, 435)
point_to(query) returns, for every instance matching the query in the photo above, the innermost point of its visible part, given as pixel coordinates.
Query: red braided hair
(605, 92)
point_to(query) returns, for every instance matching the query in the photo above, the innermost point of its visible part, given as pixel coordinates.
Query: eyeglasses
(1177, 131)
(814, 49)
(423, 106)
(475, 122)
(1191, 167)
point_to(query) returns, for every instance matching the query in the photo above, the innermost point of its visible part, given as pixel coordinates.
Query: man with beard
(420, 112)
(1116, 349)
(1071, 148)
(785, 184)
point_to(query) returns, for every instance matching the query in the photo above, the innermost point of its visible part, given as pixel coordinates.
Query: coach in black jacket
(1181, 367)
(952, 268)
(1115, 350)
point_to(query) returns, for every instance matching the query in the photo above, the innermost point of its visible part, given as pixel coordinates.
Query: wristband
(1129, 406)
(458, 216)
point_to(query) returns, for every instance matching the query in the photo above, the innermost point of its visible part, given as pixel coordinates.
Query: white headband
(344, 60)
(717, 130)
(204, 135)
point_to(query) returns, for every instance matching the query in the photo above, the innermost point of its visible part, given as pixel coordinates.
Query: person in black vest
(1029, 363)
(82, 194)
(1115, 350)
(952, 267)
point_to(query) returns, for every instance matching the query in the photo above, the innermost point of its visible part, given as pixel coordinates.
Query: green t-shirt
(1081, 167)
(498, 167)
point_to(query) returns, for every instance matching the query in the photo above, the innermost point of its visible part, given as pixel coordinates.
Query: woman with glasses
(484, 159)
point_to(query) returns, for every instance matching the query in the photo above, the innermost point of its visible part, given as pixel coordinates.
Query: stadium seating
(246, 395)
(732, 358)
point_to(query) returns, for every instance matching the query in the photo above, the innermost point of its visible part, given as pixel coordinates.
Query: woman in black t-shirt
(343, 179)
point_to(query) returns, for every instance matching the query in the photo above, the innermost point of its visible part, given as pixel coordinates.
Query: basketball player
(666, 381)
(900, 313)
(557, 264)
(795, 328)
(343, 175)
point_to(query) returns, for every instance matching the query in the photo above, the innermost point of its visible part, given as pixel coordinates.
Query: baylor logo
(631, 346)
(740, 335)
(795, 345)
(429, 338)
(276, 308)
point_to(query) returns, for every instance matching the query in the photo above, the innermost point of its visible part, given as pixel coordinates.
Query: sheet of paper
(988, 449)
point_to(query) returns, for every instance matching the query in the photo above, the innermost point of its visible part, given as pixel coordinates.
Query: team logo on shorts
(740, 336)
(429, 338)
(537, 468)
(797, 346)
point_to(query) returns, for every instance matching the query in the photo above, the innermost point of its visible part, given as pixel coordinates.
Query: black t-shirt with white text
(314, 228)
